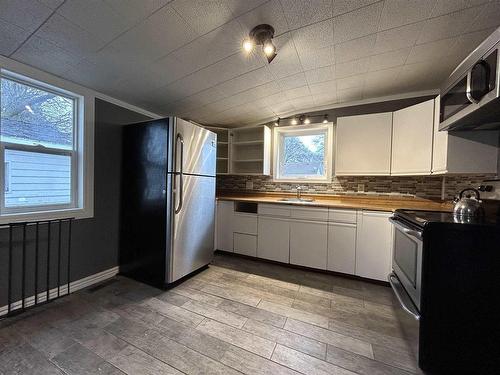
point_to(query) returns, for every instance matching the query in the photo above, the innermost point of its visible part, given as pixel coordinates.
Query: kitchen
(281, 186)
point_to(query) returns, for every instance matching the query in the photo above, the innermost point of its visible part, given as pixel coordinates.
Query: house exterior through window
(303, 153)
(39, 145)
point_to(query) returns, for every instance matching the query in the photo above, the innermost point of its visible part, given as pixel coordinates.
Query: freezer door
(193, 226)
(195, 149)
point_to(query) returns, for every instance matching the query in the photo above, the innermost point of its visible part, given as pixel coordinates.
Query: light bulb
(269, 48)
(307, 120)
(325, 119)
(248, 45)
(294, 121)
(277, 122)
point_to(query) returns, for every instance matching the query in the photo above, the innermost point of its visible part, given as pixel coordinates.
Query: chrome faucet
(299, 192)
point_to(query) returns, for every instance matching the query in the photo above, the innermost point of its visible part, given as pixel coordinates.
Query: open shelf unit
(223, 149)
(250, 150)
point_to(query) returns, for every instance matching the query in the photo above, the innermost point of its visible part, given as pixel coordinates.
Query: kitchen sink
(297, 200)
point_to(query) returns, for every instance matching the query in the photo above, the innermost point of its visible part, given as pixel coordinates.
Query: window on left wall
(39, 147)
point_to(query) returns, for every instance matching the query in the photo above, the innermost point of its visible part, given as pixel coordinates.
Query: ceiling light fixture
(307, 120)
(261, 35)
(248, 45)
(325, 119)
(294, 121)
(277, 122)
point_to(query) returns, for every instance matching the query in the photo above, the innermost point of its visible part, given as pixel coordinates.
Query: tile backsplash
(414, 186)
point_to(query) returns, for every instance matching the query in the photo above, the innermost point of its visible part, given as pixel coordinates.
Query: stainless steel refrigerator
(168, 200)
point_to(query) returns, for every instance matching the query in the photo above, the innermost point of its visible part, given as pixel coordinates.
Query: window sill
(75, 213)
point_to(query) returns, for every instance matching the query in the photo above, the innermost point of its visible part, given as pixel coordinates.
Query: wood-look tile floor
(238, 316)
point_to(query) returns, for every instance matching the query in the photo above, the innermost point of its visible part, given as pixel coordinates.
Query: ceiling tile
(318, 75)
(211, 47)
(26, 14)
(203, 15)
(466, 43)
(430, 51)
(231, 67)
(313, 37)
(12, 37)
(270, 13)
(293, 81)
(355, 49)
(489, 17)
(287, 61)
(69, 36)
(325, 99)
(351, 68)
(381, 82)
(398, 13)
(238, 7)
(245, 81)
(318, 58)
(133, 9)
(281, 108)
(426, 75)
(398, 38)
(350, 82)
(155, 37)
(277, 98)
(350, 95)
(346, 6)
(52, 4)
(447, 26)
(97, 18)
(448, 6)
(323, 87)
(46, 56)
(304, 103)
(297, 92)
(358, 23)
(388, 59)
(301, 12)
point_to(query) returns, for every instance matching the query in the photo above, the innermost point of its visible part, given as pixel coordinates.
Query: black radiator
(37, 259)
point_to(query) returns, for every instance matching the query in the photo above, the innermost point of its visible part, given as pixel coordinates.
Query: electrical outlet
(361, 188)
(249, 185)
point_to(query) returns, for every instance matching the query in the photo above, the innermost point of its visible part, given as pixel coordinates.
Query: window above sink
(303, 153)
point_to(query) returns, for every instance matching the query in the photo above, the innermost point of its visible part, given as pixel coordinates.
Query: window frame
(79, 205)
(311, 129)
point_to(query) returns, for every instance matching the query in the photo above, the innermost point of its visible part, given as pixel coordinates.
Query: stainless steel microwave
(469, 98)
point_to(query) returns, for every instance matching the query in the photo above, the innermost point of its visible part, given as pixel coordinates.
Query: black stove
(423, 218)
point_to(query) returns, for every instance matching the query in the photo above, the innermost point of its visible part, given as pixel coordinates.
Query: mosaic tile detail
(414, 186)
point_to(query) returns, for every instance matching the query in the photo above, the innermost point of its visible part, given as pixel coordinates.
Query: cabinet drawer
(310, 213)
(245, 223)
(274, 210)
(245, 244)
(342, 216)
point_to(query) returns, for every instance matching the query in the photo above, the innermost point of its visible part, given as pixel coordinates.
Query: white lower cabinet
(374, 245)
(273, 241)
(308, 243)
(342, 248)
(224, 225)
(245, 244)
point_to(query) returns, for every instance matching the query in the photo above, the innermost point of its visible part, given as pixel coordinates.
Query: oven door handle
(402, 297)
(407, 231)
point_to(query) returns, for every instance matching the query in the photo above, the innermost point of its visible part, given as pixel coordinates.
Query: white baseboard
(63, 289)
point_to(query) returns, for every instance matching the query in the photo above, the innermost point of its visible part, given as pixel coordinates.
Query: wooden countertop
(375, 203)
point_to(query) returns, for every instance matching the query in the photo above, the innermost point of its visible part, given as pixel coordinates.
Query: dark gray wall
(94, 241)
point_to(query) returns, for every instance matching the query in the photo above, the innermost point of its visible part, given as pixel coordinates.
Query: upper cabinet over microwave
(470, 96)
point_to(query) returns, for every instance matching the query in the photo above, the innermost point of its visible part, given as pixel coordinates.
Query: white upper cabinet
(412, 132)
(463, 152)
(363, 145)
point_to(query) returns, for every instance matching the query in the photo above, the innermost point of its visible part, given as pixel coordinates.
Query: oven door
(407, 264)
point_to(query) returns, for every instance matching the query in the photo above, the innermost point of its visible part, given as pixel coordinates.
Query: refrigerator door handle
(181, 171)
